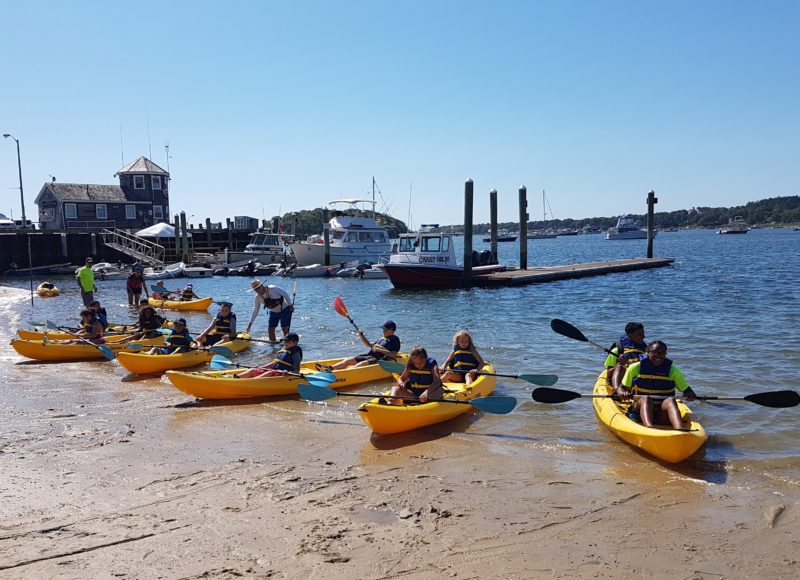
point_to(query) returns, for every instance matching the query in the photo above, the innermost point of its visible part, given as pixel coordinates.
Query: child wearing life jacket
(178, 340)
(463, 362)
(91, 328)
(287, 360)
(420, 379)
(630, 348)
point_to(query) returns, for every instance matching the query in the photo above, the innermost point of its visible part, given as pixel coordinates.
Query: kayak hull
(60, 351)
(143, 363)
(60, 335)
(199, 305)
(226, 384)
(388, 419)
(663, 443)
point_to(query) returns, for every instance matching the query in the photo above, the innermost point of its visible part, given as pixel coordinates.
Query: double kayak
(663, 443)
(386, 419)
(114, 336)
(229, 385)
(199, 305)
(66, 351)
(143, 363)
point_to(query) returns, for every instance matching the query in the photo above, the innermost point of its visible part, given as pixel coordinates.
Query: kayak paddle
(340, 308)
(566, 329)
(107, 352)
(220, 350)
(496, 405)
(544, 380)
(774, 399)
(321, 379)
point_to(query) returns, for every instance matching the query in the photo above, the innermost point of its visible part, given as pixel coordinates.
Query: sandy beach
(103, 475)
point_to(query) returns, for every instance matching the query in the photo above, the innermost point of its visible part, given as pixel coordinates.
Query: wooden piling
(229, 227)
(652, 200)
(177, 225)
(493, 222)
(184, 239)
(523, 227)
(468, 197)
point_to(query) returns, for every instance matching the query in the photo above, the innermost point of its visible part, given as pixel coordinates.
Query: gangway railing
(135, 246)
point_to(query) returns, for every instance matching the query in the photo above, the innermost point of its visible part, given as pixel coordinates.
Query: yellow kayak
(227, 384)
(664, 443)
(387, 419)
(198, 305)
(142, 363)
(62, 351)
(60, 335)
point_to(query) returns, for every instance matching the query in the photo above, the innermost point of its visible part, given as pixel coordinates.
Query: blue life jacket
(629, 351)
(421, 378)
(222, 324)
(654, 380)
(179, 338)
(284, 359)
(391, 344)
(187, 295)
(463, 360)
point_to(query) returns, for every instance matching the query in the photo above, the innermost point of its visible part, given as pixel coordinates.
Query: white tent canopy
(159, 230)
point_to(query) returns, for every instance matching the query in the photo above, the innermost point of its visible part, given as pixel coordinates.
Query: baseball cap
(180, 321)
(389, 324)
(89, 260)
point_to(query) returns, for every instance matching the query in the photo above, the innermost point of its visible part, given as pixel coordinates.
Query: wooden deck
(538, 275)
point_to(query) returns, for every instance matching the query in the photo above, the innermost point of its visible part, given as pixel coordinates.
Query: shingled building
(140, 200)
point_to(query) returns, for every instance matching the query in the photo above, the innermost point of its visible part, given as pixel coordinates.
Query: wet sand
(101, 478)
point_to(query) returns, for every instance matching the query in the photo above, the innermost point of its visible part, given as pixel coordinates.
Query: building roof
(86, 192)
(140, 166)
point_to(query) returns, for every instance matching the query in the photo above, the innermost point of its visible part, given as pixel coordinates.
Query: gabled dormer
(143, 180)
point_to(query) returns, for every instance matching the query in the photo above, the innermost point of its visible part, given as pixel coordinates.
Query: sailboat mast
(373, 197)
(544, 212)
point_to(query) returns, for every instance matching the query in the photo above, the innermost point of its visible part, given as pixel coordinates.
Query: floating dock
(539, 275)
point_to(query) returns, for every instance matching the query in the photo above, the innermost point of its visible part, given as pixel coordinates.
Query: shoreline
(104, 477)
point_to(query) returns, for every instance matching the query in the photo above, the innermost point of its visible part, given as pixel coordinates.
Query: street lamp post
(19, 167)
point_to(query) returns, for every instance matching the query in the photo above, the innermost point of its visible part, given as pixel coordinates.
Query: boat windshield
(436, 244)
(407, 243)
(266, 240)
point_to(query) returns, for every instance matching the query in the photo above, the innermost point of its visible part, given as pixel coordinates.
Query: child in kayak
(653, 381)
(178, 340)
(420, 379)
(91, 328)
(287, 359)
(385, 349)
(630, 348)
(463, 362)
(222, 328)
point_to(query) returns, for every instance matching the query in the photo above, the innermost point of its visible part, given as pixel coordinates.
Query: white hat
(255, 285)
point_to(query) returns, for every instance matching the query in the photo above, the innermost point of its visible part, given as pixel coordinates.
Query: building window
(158, 212)
(130, 212)
(138, 182)
(100, 211)
(156, 182)
(70, 211)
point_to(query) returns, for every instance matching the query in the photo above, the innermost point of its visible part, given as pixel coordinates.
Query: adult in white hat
(279, 304)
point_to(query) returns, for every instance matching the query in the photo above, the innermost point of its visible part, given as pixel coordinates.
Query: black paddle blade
(564, 328)
(548, 395)
(775, 399)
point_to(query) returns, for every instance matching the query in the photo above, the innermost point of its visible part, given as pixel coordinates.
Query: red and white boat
(426, 259)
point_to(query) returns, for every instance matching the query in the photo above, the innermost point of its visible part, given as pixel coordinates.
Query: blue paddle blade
(391, 366)
(315, 392)
(107, 352)
(321, 379)
(51, 325)
(543, 380)
(135, 346)
(496, 405)
(221, 350)
(220, 362)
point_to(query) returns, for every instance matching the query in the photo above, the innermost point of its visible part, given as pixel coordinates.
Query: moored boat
(64, 351)
(737, 225)
(47, 290)
(265, 247)
(426, 259)
(198, 305)
(142, 363)
(663, 443)
(198, 272)
(228, 385)
(627, 228)
(386, 419)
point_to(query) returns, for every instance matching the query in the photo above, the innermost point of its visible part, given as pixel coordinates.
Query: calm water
(728, 309)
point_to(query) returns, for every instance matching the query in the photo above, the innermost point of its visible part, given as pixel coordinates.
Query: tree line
(773, 211)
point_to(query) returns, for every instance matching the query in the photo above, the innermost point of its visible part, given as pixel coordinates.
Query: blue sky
(272, 106)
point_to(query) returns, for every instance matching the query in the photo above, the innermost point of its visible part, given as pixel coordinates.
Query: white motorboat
(198, 272)
(627, 228)
(351, 238)
(266, 247)
(312, 271)
(108, 271)
(735, 226)
(426, 259)
(171, 271)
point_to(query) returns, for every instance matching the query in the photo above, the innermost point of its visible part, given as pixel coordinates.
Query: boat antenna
(373, 197)
(149, 145)
(410, 188)
(121, 151)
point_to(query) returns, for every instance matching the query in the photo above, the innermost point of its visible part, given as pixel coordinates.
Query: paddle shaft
(338, 394)
(107, 352)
